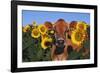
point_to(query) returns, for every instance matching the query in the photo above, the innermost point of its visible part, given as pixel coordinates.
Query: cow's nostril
(60, 42)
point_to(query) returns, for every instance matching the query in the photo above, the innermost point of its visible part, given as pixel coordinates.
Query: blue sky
(28, 16)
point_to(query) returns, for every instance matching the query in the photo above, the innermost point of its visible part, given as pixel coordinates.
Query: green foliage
(32, 50)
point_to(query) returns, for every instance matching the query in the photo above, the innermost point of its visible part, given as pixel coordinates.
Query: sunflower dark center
(78, 36)
(81, 26)
(35, 32)
(47, 43)
(42, 29)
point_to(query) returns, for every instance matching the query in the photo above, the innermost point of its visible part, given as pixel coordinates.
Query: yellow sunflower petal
(46, 42)
(26, 28)
(81, 25)
(44, 36)
(42, 29)
(35, 33)
(77, 37)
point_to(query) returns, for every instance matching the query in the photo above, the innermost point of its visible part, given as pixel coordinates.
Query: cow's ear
(72, 23)
(67, 27)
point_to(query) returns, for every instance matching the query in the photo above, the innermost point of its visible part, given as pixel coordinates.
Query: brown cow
(59, 48)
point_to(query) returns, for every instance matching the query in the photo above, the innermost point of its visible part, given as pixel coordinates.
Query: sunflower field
(37, 41)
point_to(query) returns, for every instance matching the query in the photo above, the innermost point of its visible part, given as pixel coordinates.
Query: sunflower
(34, 24)
(42, 29)
(81, 25)
(35, 33)
(46, 43)
(44, 36)
(26, 28)
(77, 37)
